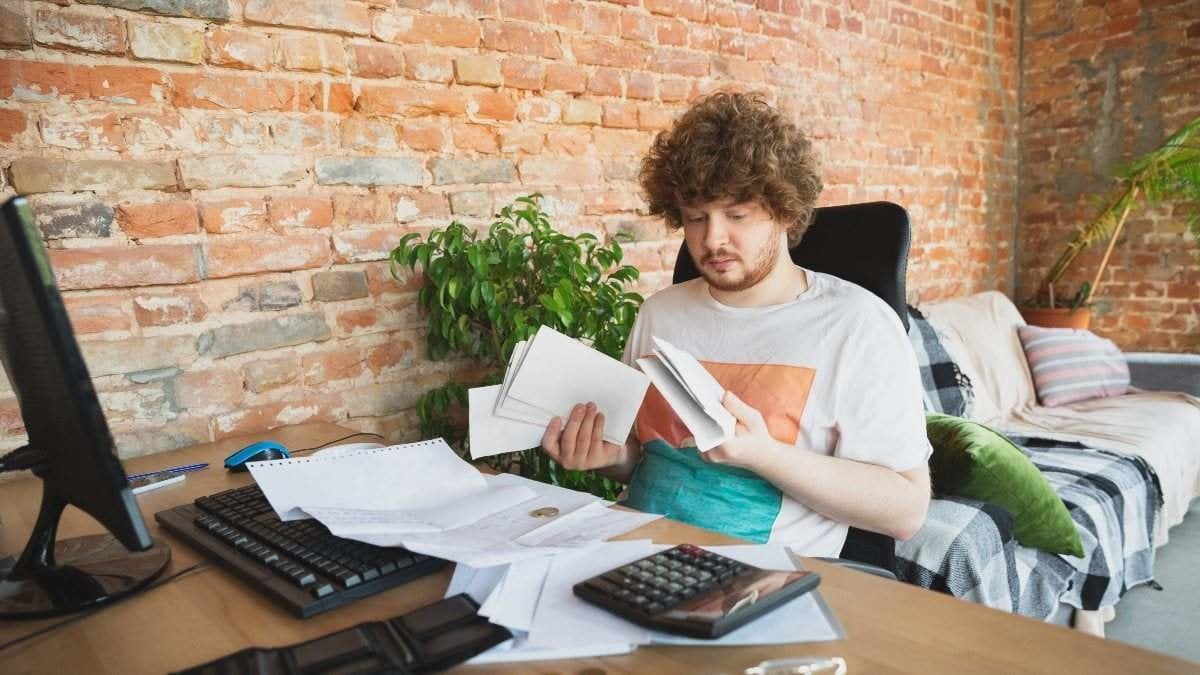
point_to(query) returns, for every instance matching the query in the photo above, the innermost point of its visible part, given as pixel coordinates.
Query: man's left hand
(752, 444)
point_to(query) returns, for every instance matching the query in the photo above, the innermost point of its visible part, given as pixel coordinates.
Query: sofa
(1126, 466)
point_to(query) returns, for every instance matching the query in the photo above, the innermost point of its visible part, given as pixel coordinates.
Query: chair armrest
(1165, 372)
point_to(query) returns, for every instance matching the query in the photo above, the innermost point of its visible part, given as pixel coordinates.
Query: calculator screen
(746, 590)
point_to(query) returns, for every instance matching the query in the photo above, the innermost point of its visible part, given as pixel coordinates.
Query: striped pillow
(1071, 365)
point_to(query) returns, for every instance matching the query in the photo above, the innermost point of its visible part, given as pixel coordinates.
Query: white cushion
(981, 336)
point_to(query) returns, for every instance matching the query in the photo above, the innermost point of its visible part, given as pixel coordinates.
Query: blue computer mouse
(256, 452)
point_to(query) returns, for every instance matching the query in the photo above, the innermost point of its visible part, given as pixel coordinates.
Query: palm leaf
(1170, 172)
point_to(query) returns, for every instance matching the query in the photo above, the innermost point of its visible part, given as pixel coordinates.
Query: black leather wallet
(428, 639)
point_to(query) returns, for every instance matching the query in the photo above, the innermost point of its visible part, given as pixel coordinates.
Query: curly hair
(733, 145)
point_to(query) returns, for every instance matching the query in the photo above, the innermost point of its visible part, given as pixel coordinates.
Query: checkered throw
(966, 548)
(947, 389)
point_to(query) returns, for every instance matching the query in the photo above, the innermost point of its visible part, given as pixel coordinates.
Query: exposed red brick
(234, 255)
(331, 366)
(376, 60)
(495, 105)
(234, 48)
(12, 123)
(93, 313)
(476, 137)
(251, 94)
(169, 309)
(123, 267)
(84, 31)
(346, 16)
(301, 211)
(444, 31)
(159, 219)
(233, 215)
(521, 38)
(564, 77)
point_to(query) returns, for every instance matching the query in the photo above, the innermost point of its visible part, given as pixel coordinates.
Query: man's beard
(758, 271)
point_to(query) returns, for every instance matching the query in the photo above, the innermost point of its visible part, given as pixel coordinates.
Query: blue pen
(174, 469)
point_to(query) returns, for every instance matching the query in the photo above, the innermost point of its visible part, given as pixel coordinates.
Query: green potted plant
(1169, 172)
(484, 294)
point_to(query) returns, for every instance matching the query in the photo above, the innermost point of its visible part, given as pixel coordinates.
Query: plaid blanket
(947, 388)
(966, 548)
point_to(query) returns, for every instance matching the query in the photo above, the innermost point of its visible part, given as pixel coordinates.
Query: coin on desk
(544, 512)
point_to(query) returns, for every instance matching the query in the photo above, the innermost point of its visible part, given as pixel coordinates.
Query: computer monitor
(70, 447)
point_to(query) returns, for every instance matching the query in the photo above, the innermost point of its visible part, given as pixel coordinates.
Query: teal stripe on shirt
(680, 485)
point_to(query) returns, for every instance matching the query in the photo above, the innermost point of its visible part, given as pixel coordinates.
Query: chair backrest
(866, 244)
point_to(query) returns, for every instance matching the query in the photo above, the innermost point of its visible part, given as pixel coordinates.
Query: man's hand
(752, 444)
(581, 444)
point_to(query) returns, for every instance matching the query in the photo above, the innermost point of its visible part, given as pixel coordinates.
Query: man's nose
(716, 234)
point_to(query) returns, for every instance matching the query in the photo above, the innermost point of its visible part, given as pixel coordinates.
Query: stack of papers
(692, 392)
(424, 497)
(545, 378)
(425, 486)
(535, 600)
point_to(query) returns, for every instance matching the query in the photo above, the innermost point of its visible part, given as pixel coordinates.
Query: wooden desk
(892, 627)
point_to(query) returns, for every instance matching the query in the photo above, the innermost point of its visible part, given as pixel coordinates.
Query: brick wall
(1104, 82)
(219, 181)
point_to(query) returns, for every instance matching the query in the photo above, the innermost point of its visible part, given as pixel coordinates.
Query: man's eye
(737, 216)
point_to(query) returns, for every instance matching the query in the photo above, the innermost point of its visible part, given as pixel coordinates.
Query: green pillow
(971, 460)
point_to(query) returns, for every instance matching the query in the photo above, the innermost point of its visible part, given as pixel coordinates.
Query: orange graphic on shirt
(778, 392)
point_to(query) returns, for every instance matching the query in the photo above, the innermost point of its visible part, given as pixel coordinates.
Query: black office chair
(866, 244)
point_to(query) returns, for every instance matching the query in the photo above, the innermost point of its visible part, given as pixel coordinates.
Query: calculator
(690, 591)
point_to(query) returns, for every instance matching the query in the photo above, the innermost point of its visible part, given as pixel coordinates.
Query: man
(817, 371)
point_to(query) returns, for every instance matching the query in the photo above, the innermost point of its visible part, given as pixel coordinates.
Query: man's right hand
(580, 444)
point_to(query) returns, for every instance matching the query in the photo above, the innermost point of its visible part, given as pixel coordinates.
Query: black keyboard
(298, 563)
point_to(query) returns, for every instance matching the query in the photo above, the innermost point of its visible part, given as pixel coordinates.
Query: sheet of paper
(437, 518)
(706, 432)
(592, 523)
(514, 600)
(559, 372)
(696, 379)
(491, 541)
(564, 621)
(474, 581)
(509, 408)
(345, 449)
(398, 477)
(491, 434)
(484, 543)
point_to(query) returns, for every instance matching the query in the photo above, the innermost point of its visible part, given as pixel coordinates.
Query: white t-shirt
(832, 372)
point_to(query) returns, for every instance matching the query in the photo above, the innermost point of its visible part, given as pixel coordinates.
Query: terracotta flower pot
(1058, 317)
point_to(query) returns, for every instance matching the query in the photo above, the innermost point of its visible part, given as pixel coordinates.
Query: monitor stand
(60, 577)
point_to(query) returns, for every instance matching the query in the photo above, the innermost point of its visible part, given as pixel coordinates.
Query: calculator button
(604, 586)
(639, 600)
(704, 575)
(616, 578)
(629, 569)
(644, 564)
(655, 607)
(674, 587)
(673, 575)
